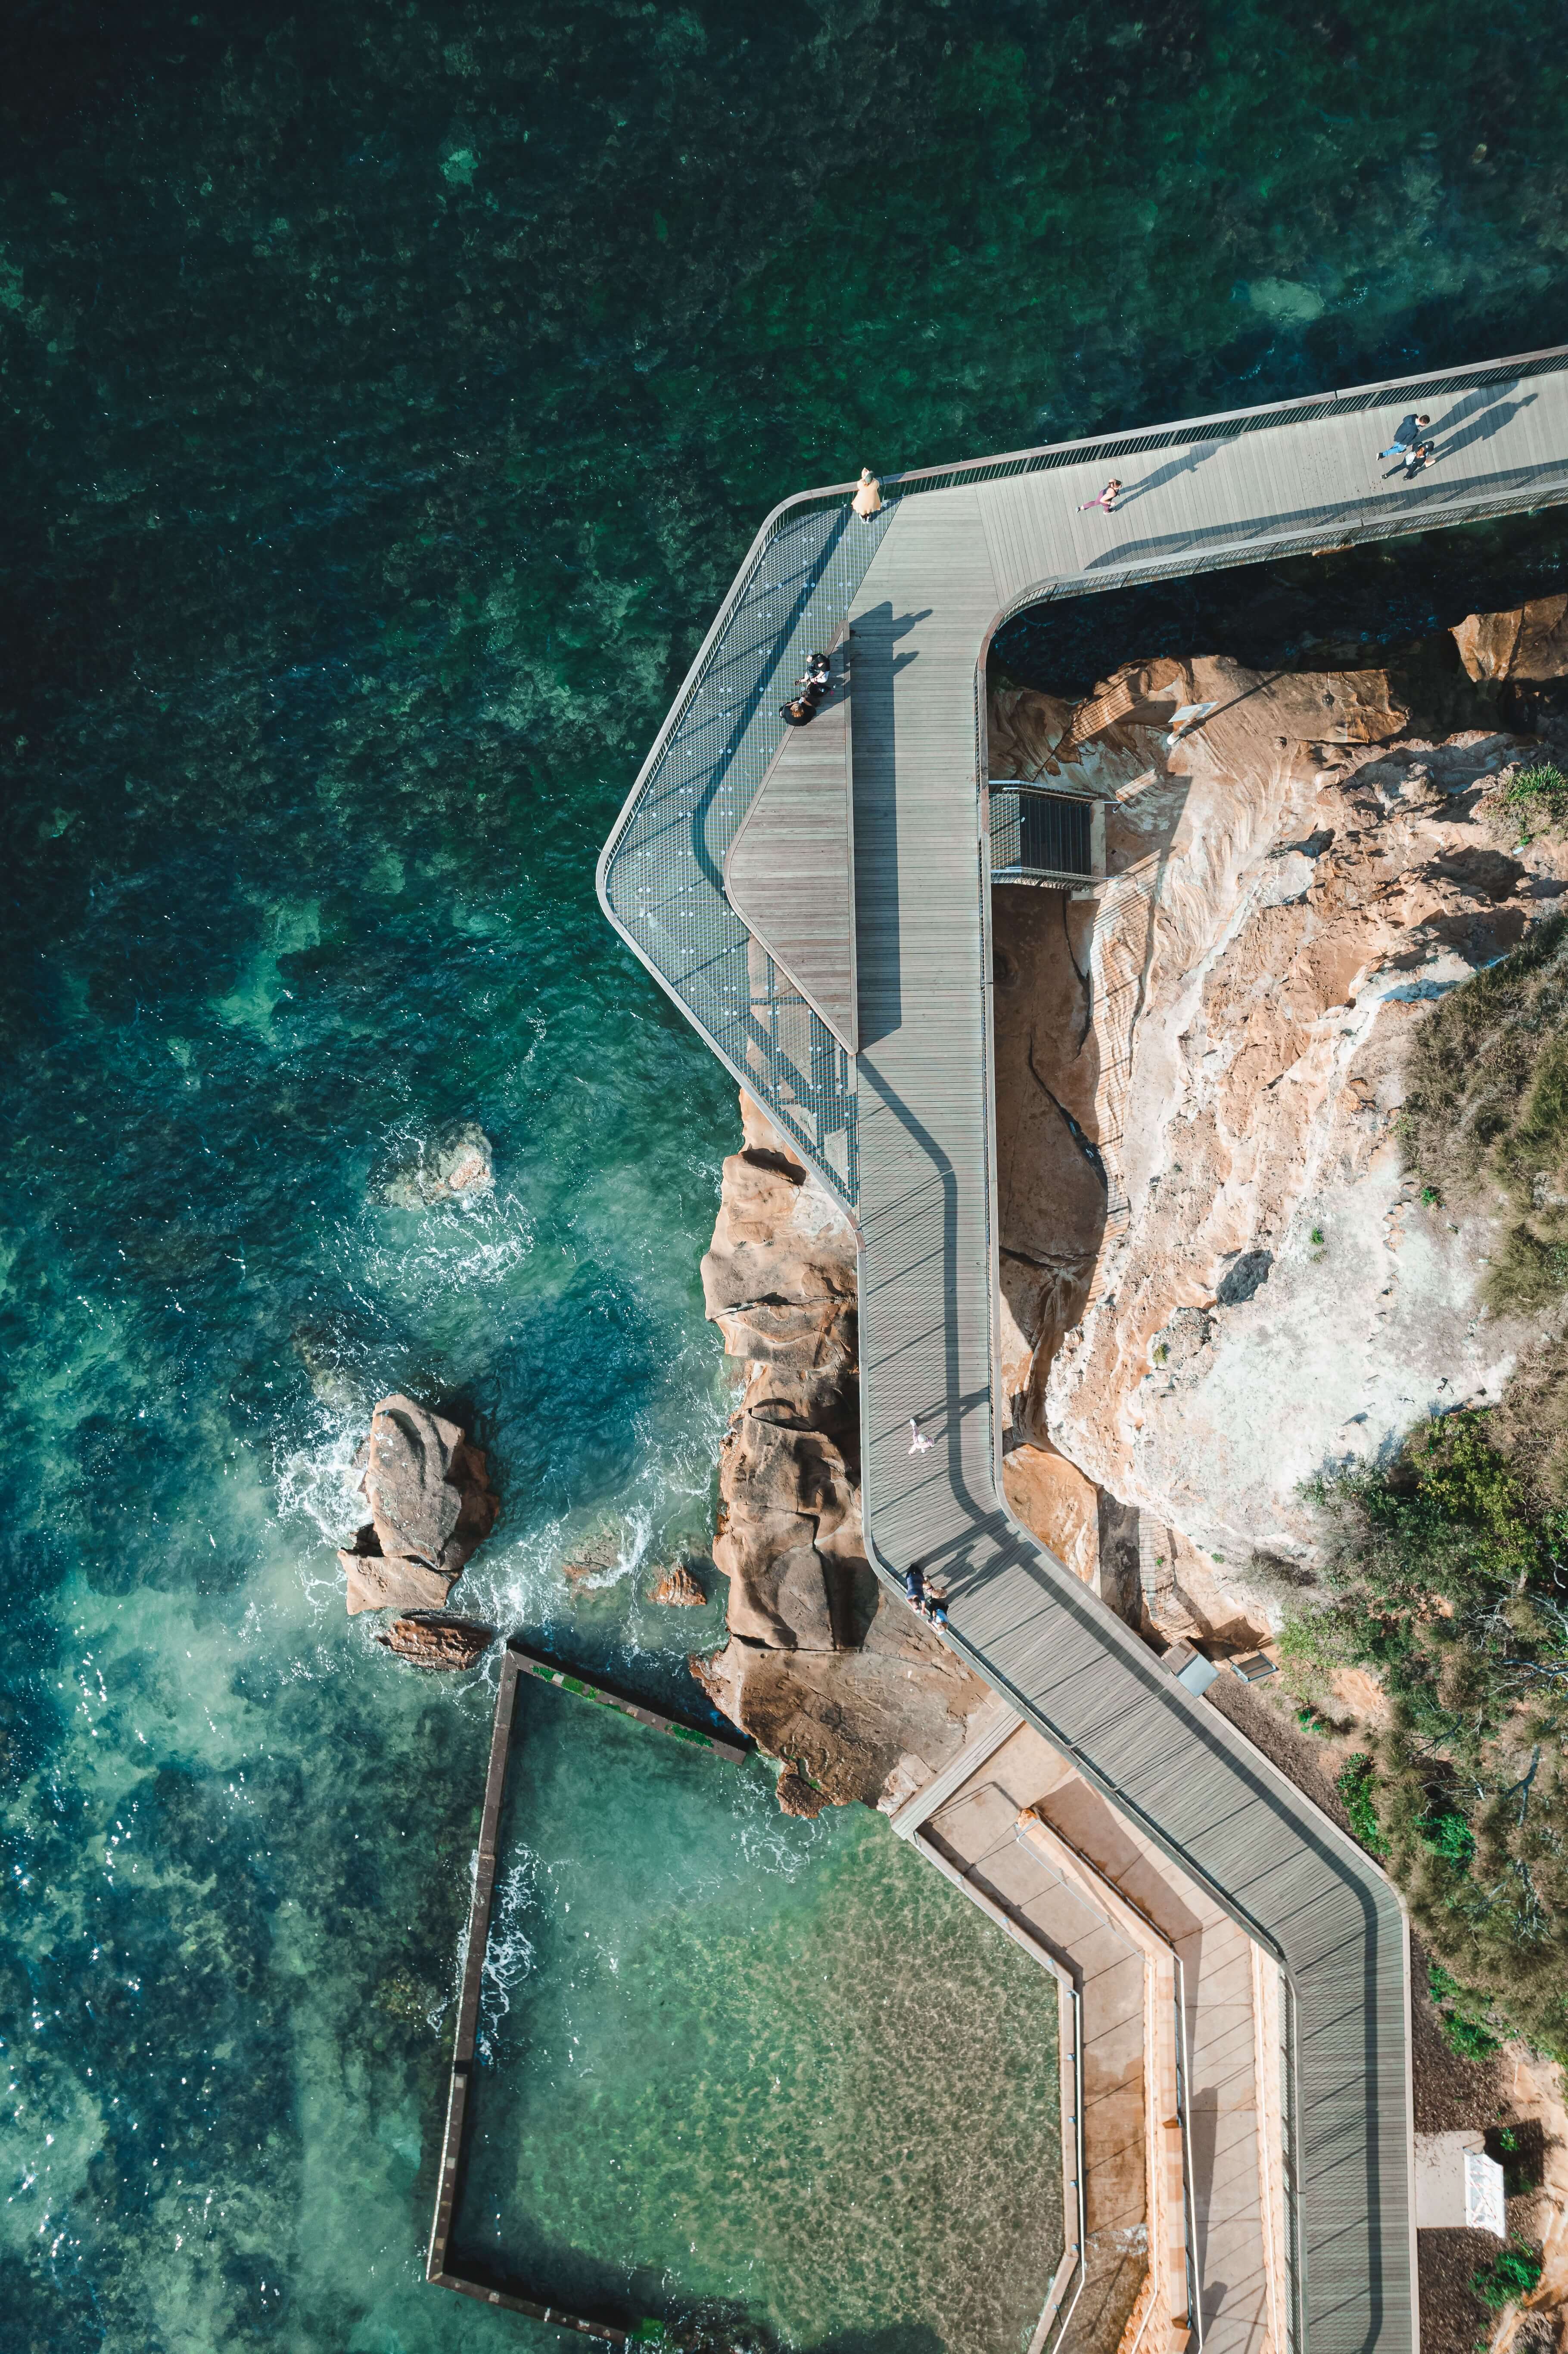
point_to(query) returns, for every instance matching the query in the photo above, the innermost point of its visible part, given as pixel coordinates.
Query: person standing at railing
(867, 500)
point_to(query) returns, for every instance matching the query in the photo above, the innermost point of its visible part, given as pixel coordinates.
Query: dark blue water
(389, 392)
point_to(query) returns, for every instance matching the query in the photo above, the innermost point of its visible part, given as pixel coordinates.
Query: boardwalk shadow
(875, 663)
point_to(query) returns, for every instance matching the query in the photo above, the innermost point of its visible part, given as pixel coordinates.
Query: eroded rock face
(438, 1641)
(823, 1669)
(1217, 1280)
(430, 1504)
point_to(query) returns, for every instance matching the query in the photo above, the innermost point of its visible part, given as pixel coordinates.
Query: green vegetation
(1508, 2277)
(1540, 795)
(1487, 1109)
(1355, 1787)
(1449, 1579)
(1462, 2013)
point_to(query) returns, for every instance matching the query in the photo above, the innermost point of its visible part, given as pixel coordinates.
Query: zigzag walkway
(903, 1130)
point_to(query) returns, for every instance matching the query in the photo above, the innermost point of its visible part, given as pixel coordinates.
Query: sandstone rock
(377, 1582)
(1529, 644)
(796, 1796)
(824, 1668)
(426, 1486)
(677, 1586)
(780, 1277)
(1052, 1497)
(788, 1535)
(438, 1641)
(1217, 1277)
(850, 1719)
(430, 1505)
(456, 1165)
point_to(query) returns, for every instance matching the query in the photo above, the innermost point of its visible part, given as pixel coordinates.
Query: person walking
(1408, 435)
(918, 1442)
(1417, 459)
(867, 500)
(1107, 498)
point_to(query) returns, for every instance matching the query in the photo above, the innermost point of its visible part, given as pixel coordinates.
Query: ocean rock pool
(772, 2076)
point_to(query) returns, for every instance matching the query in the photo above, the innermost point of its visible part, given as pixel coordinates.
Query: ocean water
(775, 2079)
(390, 390)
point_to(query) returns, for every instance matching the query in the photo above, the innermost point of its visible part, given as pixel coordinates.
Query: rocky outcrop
(435, 1640)
(430, 1504)
(453, 1166)
(797, 1797)
(1530, 643)
(1218, 1277)
(678, 1587)
(822, 1668)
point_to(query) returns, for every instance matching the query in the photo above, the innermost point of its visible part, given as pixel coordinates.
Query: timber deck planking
(957, 550)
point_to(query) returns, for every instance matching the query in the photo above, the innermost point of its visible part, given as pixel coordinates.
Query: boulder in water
(454, 1167)
(437, 1639)
(797, 1797)
(677, 1586)
(430, 1504)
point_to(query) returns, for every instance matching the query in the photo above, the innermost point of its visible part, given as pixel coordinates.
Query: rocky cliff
(1218, 1276)
(1219, 1279)
(822, 1668)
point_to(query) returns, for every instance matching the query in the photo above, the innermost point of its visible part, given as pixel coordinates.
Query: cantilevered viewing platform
(820, 909)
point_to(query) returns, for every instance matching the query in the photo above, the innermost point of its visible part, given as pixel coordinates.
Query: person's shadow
(1187, 463)
(1490, 421)
(1482, 415)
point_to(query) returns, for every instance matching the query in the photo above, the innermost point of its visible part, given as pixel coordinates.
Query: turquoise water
(391, 391)
(773, 2077)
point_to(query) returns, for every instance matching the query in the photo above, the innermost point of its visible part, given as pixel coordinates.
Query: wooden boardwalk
(905, 1132)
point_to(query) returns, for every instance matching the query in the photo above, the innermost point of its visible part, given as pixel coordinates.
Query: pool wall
(439, 2269)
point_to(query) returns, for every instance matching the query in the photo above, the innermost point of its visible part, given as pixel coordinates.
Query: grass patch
(1540, 796)
(1448, 1578)
(1462, 2014)
(1486, 1111)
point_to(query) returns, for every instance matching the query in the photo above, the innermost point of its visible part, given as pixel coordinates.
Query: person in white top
(867, 500)
(918, 1442)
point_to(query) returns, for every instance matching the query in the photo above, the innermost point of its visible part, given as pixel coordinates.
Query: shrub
(1355, 1787)
(1447, 1579)
(1487, 1109)
(1508, 2277)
